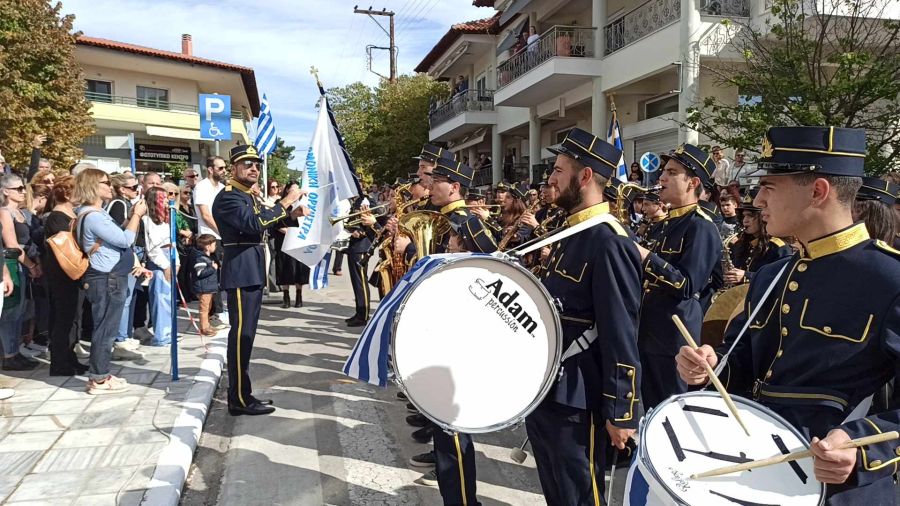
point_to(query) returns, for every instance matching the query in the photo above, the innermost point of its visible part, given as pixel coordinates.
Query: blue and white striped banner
(369, 359)
(319, 278)
(614, 137)
(265, 129)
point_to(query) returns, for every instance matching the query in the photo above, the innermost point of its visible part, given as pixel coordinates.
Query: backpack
(67, 250)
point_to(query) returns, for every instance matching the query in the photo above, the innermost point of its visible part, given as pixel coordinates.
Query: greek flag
(369, 359)
(319, 278)
(265, 129)
(614, 137)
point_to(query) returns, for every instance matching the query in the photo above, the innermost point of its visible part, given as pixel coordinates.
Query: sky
(280, 40)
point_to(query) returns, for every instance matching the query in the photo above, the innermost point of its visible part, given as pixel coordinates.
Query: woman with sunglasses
(16, 235)
(186, 224)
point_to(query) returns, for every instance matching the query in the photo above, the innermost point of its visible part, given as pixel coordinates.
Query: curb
(176, 457)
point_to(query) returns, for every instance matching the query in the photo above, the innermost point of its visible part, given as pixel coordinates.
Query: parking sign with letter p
(215, 117)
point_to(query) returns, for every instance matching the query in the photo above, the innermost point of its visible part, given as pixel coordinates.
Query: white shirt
(204, 195)
(157, 238)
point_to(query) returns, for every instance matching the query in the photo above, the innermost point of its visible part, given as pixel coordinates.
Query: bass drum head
(706, 436)
(476, 344)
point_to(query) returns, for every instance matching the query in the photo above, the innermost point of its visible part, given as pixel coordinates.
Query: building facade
(153, 94)
(649, 57)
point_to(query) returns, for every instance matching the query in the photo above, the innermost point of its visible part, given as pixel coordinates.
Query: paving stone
(100, 419)
(113, 402)
(43, 423)
(70, 393)
(130, 455)
(7, 485)
(130, 498)
(70, 459)
(32, 395)
(62, 407)
(144, 378)
(41, 381)
(77, 438)
(28, 441)
(106, 480)
(18, 464)
(8, 423)
(142, 434)
(50, 486)
(19, 409)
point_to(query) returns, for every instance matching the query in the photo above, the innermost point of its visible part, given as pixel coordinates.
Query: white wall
(125, 83)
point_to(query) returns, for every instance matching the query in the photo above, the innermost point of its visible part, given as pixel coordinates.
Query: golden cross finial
(315, 72)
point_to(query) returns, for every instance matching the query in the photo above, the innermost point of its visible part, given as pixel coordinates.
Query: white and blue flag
(369, 359)
(319, 278)
(614, 137)
(265, 129)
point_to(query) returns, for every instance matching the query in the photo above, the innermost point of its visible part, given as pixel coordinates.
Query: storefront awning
(173, 133)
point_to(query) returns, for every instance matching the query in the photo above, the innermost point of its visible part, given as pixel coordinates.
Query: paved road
(331, 440)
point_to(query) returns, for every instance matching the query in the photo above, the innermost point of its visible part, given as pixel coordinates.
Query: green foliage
(811, 68)
(41, 88)
(278, 163)
(384, 127)
(176, 170)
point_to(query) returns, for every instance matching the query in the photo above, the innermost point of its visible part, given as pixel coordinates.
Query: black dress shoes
(264, 402)
(356, 322)
(418, 420)
(254, 408)
(424, 434)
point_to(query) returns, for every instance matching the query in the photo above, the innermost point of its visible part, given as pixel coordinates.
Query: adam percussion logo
(504, 304)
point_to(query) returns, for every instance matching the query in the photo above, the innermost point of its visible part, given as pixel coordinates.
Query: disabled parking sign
(215, 117)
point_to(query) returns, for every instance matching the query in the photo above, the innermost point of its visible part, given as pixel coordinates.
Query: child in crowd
(204, 279)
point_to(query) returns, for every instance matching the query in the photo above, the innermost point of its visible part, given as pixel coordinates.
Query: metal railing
(558, 41)
(469, 100)
(145, 103)
(740, 8)
(514, 172)
(647, 18)
(483, 176)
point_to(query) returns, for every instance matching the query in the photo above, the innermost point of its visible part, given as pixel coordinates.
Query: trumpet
(623, 191)
(357, 215)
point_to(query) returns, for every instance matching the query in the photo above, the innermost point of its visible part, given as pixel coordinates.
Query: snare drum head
(696, 432)
(476, 344)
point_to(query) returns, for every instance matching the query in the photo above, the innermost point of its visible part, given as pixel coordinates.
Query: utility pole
(393, 49)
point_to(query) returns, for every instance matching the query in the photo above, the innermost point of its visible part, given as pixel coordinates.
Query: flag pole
(265, 171)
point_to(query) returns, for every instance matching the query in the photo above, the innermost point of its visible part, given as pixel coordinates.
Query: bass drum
(726, 305)
(476, 343)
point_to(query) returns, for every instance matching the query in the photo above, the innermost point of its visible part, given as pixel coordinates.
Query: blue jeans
(106, 293)
(125, 331)
(161, 308)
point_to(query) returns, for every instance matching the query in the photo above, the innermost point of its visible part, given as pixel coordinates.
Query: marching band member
(827, 337)
(654, 211)
(596, 276)
(753, 248)
(676, 270)
(454, 456)
(874, 206)
(241, 224)
(357, 252)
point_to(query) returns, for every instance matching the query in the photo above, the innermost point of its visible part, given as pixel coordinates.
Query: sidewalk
(59, 445)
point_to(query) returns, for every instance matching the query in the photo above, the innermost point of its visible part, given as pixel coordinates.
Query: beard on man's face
(570, 196)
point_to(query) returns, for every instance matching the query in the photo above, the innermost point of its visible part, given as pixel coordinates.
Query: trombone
(357, 215)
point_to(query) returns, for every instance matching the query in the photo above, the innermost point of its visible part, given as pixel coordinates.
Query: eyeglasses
(17, 189)
(171, 194)
(219, 167)
(185, 193)
(133, 187)
(192, 176)
(250, 163)
(105, 182)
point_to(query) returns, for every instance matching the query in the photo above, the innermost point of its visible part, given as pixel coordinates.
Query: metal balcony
(467, 101)
(737, 8)
(558, 41)
(163, 105)
(643, 20)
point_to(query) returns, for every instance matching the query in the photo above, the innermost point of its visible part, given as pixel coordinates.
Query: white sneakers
(111, 385)
(126, 350)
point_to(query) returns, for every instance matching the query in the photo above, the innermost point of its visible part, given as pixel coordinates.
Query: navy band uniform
(595, 275)
(242, 224)
(455, 454)
(679, 267)
(829, 335)
(358, 264)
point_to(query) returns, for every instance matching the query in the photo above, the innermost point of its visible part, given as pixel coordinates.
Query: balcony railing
(144, 103)
(557, 41)
(739, 8)
(483, 176)
(515, 172)
(647, 18)
(470, 100)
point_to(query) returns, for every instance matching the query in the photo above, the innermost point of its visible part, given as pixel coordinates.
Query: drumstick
(790, 457)
(711, 373)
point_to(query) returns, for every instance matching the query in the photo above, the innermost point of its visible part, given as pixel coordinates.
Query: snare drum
(476, 343)
(695, 432)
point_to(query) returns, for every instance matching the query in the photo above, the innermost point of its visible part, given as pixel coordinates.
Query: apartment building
(153, 94)
(645, 55)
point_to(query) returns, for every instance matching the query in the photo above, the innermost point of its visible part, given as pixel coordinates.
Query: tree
(278, 163)
(383, 128)
(834, 63)
(42, 88)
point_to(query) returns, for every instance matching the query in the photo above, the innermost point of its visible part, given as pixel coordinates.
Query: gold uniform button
(827, 329)
(768, 374)
(779, 354)
(793, 286)
(897, 451)
(630, 373)
(628, 395)
(801, 268)
(785, 309)
(784, 331)
(874, 463)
